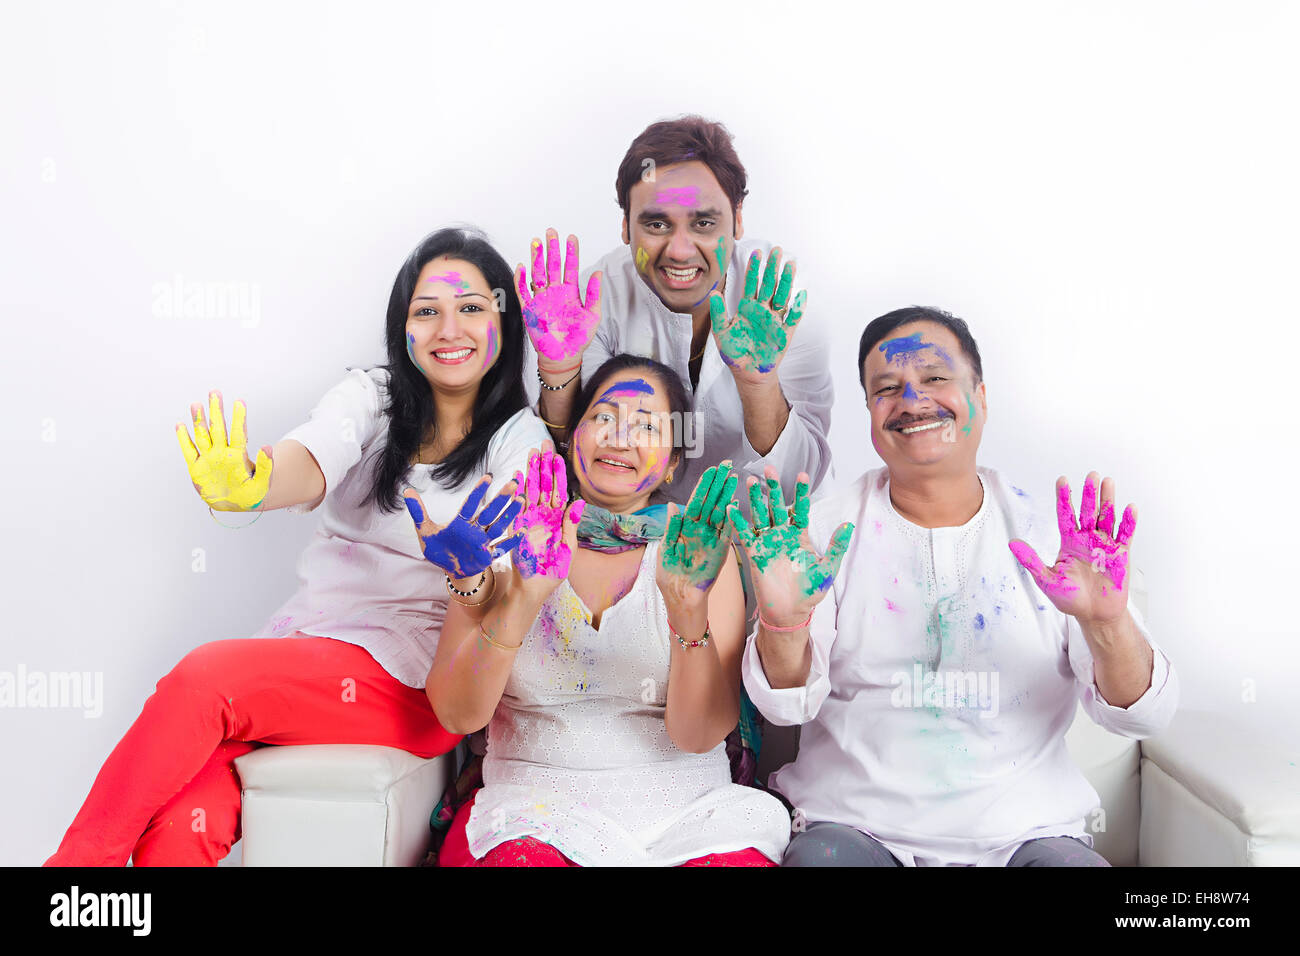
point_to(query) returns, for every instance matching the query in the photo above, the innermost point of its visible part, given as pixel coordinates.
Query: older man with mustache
(935, 688)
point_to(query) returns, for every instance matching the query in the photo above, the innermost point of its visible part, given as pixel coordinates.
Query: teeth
(682, 274)
(921, 428)
(610, 461)
(458, 354)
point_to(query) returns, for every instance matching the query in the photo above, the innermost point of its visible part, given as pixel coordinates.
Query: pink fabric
(533, 852)
(168, 794)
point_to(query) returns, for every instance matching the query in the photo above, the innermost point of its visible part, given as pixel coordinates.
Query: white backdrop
(1106, 192)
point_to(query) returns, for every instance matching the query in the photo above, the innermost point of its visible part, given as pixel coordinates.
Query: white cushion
(1214, 794)
(338, 805)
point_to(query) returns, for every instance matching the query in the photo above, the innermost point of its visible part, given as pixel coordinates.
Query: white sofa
(1201, 793)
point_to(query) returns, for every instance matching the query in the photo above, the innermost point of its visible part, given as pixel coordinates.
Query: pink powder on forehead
(452, 279)
(678, 196)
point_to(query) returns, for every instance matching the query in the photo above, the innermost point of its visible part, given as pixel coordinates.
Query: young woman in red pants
(357, 639)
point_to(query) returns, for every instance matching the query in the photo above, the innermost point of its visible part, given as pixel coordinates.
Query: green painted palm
(696, 541)
(790, 577)
(753, 341)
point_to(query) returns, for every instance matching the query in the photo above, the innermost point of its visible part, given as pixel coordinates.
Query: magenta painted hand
(550, 529)
(1089, 580)
(559, 322)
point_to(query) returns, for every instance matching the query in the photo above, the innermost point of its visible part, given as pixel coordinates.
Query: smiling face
(681, 231)
(623, 447)
(926, 409)
(453, 328)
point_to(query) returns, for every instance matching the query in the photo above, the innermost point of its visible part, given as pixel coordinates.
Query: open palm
(1089, 580)
(753, 341)
(790, 576)
(467, 544)
(559, 322)
(219, 467)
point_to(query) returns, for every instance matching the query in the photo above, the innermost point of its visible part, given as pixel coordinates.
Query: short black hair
(877, 329)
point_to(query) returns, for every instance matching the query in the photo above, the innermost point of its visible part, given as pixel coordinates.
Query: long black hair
(410, 406)
(679, 403)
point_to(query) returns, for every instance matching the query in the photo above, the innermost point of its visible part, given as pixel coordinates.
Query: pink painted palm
(560, 323)
(548, 522)
(1089, 580)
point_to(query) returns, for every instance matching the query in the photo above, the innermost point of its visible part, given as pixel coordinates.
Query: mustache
(907, 421)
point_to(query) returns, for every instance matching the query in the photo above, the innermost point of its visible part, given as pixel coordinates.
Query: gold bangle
(504, 647)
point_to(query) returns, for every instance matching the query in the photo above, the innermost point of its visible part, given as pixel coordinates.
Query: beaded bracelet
(563, 385)
(702, 642)
(455, 590)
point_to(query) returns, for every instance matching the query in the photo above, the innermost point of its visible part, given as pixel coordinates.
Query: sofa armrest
(338, 804)
(1214, 794)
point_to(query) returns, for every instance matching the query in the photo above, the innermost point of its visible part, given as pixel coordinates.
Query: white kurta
(579, 757)
(634, 319)
(363, 578)
(942, 684)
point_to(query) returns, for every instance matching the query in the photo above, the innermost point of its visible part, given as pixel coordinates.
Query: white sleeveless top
(578, 755)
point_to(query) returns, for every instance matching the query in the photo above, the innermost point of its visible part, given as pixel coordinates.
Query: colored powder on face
(909, 392)
(905, 348)
(658, 464)
(970, 412)
(578, 434)
(630, 388)
(410, 349)
(678, 196)
(452, 279)
(706, 296)
(642, 259)
(491, 344)
(720, 253)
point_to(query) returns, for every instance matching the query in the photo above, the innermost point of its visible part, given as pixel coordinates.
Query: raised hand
(1089, 580)
(470, 542)
(559, 322)
(219, 468)
(790, 577)
(696, 542)
(549, 530)
(753, 341)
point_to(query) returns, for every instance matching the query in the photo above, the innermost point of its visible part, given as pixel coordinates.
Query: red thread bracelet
(773, 627)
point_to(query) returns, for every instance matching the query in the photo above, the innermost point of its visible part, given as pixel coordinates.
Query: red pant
(168, 795)
(531, 852)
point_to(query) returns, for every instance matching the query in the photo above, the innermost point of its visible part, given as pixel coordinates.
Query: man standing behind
(936, 686)
(685, 290)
